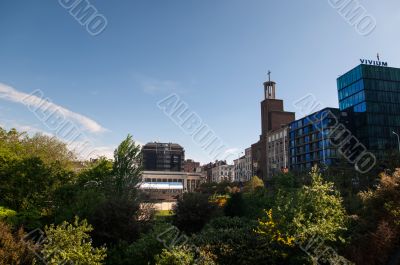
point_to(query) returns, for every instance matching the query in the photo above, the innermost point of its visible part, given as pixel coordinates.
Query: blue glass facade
(371, 96)
(309, 142)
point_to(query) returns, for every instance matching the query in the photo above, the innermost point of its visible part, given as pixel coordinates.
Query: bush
(115, 221)
(192, 212)
(13, 249)
(233, 241)
(175, 256)
(144, 250)
(254, 184)
(235, 205)
(256, 202)
(71, 243)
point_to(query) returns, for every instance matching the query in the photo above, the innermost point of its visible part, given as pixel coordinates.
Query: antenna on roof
(377, 56)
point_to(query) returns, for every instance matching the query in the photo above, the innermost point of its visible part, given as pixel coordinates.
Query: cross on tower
(269, 76)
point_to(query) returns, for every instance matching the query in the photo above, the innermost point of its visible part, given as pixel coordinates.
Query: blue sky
(213, 54)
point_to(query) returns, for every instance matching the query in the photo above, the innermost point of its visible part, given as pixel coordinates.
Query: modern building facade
(163, 157)
(223, 173)
(371, 96)
(273, 117)
(310, 139)
(278, 151)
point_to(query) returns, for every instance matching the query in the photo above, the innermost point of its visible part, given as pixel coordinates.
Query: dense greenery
(70, 243)
(92, 212)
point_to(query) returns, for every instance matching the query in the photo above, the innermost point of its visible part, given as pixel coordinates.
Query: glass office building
(163, 157)
(309, 141)
(371, 96)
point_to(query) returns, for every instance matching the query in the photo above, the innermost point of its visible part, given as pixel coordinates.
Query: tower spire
(269, 87)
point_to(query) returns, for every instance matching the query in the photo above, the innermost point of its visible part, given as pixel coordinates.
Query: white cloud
(106, 151)
(36, 100)
(30, 129)
(154, 86)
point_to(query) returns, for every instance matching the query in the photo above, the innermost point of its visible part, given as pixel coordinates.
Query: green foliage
(192, 212)
(106, 194)
(235, 206)
(254, 184)
(30, 219)
(114, 221)
(6, 213)
(234, 241)
(13, 250)
(144, 250)
(287, 181)
(376, 234)
(256, 202)
(270, 232)
(126, 169)
(314, 210)
(71, 243)
(83, 196)
(220, 188)
(175, 256)
(49, 149)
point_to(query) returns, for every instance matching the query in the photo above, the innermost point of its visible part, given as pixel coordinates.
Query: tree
(117, 217)
(175, 256)
(375, 237)
(313, 211)
(49, 149)
(71, 243)
(254, 184)
(192, 212)
(29, 182)
(82, 197)
(126, 169)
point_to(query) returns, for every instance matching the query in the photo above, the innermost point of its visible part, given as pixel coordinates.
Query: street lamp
(398, 139)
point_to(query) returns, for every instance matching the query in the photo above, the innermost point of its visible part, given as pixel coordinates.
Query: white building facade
(222, 173)
(277, 152)
(244, 167)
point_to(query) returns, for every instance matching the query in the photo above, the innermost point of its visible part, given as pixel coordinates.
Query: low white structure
(166, 185)
(221, 173)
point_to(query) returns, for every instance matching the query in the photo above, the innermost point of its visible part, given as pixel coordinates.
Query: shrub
(235, 205)
(175, 256)
(13, 249)
(192, 212)
(232, 241)
(254, 184)
(114, 221)
(144, 250)
(71, 243)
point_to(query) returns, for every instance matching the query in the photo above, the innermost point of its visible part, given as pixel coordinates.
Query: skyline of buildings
(369, 101)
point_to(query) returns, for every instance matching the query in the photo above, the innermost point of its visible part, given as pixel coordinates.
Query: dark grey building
(163, 157)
